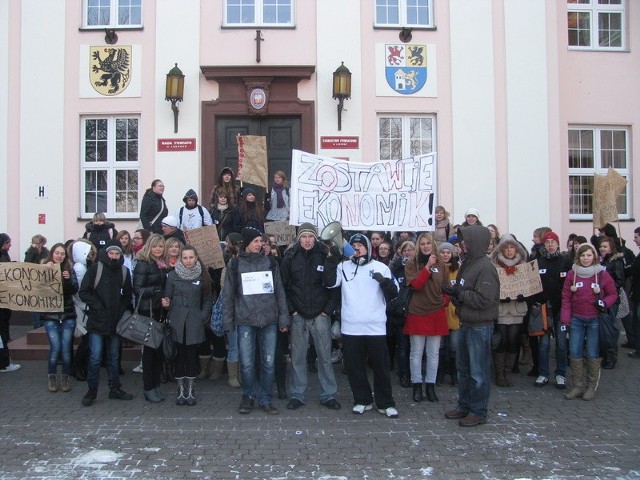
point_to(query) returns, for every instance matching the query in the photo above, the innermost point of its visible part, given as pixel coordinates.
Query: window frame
(111, 165)
(406, 133)
(403, 15)
(598, 168)
(259, 17)
(113, 20)
(594, 9)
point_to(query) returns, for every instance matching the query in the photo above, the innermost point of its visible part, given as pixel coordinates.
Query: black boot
(405, 381)
(610, 358)
(431, 393)
(417, 392)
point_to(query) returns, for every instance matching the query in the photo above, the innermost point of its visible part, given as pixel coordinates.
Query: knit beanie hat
(550, 235)
(307, 228)
(249, 234)
(474, 212)
(446, 246)
(247, 191)
(359, 238)
(170, 221)
(114, 245)
(234, 238)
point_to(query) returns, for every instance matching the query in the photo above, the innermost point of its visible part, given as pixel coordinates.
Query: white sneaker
(12, 367)
(561, 382)
(138, 369)
(390, 412)
(359, 409)
(541, 381)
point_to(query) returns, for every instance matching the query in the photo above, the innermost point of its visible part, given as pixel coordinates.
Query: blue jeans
(60, 343)
(544, 346)
(253, 387)
(320, 330)
(580, 329)
(232, 352)
(473, 362)
(112, 344)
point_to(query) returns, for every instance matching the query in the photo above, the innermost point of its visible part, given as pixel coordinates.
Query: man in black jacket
(107, 291)
(634, 272)
(310, 305)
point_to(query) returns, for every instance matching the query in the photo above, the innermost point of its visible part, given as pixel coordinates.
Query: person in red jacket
(588, 290)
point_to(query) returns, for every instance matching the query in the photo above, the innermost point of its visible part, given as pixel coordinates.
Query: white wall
(42, 83)
(177, 41)
(473, 108)
(4, 113)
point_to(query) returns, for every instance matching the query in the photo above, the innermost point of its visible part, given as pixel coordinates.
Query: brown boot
(593, 378)
(52, 383)
(498, 366)
(525, 354)
(65, 384)
(577, 377)
(217, 365)
(509, 359)
(232, 369)
(204, 366)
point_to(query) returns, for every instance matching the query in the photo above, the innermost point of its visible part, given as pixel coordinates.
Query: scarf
(137, 248)
(586, 272)
(188, 273)
(162, 265)
(509, 265)
(279, 189)
(551, 255)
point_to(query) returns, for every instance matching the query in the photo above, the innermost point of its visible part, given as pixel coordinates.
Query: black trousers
(187, 360)
(356, 350)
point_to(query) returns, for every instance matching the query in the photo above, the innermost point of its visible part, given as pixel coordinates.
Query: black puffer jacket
(148, 285)
(553, 270)
(100, 235)
(110, 298)
(69, 289)
(614, 263)
(153, 206)
(301, 272)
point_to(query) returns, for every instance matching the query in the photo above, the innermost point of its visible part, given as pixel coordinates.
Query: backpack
(199, 210)
(99, 275)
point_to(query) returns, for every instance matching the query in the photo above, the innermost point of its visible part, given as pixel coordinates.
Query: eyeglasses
(136, 238)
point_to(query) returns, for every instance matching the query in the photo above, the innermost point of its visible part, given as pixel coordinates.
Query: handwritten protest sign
(525, 281)
(285, 234)
(606, 190)
(252, 159)
(392, 195)
(207, 243)
(29, 287)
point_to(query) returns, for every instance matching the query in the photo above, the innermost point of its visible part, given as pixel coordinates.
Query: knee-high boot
(509, 359)
(593, 378)
(577, 378)
(498, 367)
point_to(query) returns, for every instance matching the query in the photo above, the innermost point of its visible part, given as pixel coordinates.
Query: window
(596, 24)
(110, 165)
(594, 150)
(277, 13)
(405, 136)
(112, 13)
(404, 13)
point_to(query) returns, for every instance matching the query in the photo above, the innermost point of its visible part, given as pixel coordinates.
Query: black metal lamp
(341, 89)
(175, 92)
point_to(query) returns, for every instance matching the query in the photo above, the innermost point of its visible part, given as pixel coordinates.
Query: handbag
(623, 307)
(540, 319)
(609, 330)
(216, 317)
(169, 339)
(399, 306)
(140, 329)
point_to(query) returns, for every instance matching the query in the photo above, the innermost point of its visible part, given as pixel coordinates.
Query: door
(282, 135)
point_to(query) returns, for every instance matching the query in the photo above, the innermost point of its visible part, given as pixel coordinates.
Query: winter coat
(553, 271)
(259, 309)
(583, 302)
(271, 205)
(223, 220)
(79, 252)
(252, 220)
(427, 307)
(109, 299)
(32, 255)
(177, 233)
(231, 189)
(148, 286)
(477, 280)
(614, 264)
(99, 235)
(634, 273)
(511, 311)
(301, 272)
(69, 289)
(153, 205)
(190, 308)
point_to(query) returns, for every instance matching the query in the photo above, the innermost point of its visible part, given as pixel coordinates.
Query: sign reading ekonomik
(340, 142)
(176, 144)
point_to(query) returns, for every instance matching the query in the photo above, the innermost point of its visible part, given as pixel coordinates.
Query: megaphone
(333, 233)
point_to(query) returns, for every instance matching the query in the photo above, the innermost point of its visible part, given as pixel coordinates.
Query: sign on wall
(393, 195)
(110, 71)
(406, 69)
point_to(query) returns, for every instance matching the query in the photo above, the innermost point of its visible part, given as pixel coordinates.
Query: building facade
(522, 100)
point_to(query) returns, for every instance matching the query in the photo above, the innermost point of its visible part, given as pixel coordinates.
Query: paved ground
(531, 433)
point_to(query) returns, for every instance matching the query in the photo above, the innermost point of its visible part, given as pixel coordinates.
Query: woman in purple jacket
(588, 290)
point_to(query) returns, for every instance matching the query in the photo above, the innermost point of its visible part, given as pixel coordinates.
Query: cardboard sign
(252, 159)
(207, 243)
(606, 190)
(526, 281)
(285, 234)
(29, 287)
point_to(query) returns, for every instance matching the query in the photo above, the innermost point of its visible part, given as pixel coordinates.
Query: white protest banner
(207, 243)
(285, 234)
(525, 281)
(391, 195)
(30, 287)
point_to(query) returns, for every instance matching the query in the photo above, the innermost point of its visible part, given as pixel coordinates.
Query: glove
(378, 277)
(520, 298)
(601, 306)
(456, 301)
(505, 300)
(452, 291)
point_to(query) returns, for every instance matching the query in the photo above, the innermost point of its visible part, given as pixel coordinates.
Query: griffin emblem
(110, 75)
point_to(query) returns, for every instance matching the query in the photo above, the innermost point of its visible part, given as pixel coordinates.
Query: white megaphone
(333, 233)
